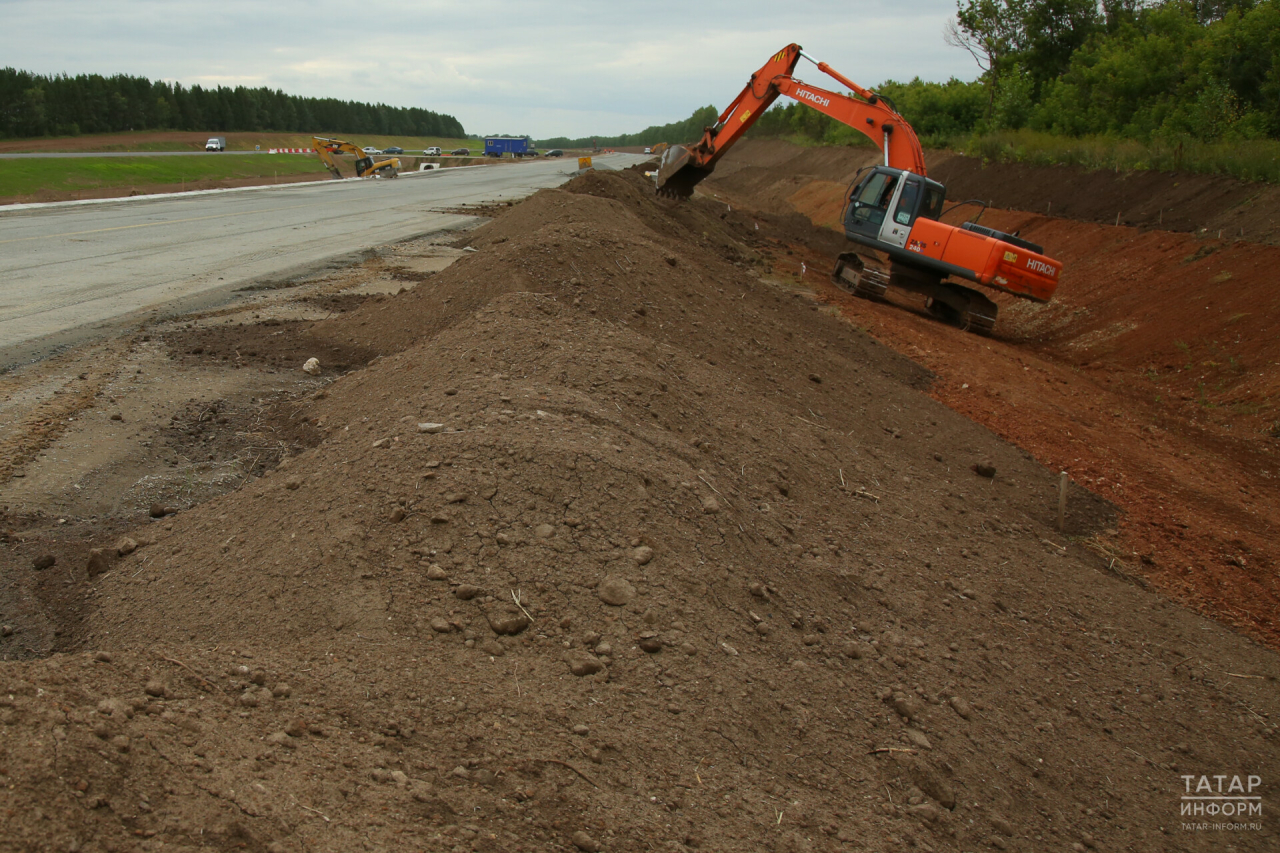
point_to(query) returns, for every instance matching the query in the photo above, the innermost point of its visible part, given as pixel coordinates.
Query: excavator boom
(683, 167)
(365, 165)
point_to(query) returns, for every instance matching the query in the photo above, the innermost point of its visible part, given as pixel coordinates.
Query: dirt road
(606, 535)
(71, 269)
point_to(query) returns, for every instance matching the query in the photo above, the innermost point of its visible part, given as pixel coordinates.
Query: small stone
(293, 482)
(311, 366)
(103, 657)
(436, 573)
(440, 625)
(985, 469)
(584, 664)
(689, 649)
(650, 643)
(98, 562)
(282, 691)
(6, 631)
(492, 648)
(400, 778)
(484, 777)
(604, 649)
(249, 699)
(455, 497)
(44, 561)
(466, 591)
(581, 730)
(544, 531)
(397, 515)
(430, 429)
(852, 650)
(813, 377)
(616, 591)
(126, 546)
(642, 555)
(961, 707)
(758, 590)
(461, 772)
(585, 842)
(904, 707)
(158, 511)
(812, 639)
(763, 629)
(917, 737)
(296, 729)
(117, 417)
(710, 505)
(155, 687)
(507, 620)
(281, 739)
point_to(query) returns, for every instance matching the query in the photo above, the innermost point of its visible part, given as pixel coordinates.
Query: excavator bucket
(676, 175)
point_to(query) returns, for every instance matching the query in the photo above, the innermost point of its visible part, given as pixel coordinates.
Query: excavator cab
(885, 204)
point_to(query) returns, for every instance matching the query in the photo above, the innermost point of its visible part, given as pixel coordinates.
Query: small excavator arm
(682, 167)
(365, 165)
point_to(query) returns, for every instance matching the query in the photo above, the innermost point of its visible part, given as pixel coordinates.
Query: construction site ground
(612, 525)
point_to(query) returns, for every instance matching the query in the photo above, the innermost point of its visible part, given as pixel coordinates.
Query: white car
(648, 151)
(431, 152)
(370, 150)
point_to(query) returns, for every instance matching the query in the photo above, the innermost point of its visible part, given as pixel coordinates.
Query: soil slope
(619, 543)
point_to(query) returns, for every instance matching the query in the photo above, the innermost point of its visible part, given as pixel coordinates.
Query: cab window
(871, 204)
(907, 203)
(933, 199)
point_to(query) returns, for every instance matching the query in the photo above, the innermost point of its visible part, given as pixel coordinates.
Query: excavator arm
(365, 165)
(682, 166)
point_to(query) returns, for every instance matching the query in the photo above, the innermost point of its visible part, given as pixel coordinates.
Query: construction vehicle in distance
(366, 166)
(893, 209)
(657, 150)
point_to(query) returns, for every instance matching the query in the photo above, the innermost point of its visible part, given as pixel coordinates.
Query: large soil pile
(618, 544)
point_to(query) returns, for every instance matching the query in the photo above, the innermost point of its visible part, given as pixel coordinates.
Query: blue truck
(516, 146)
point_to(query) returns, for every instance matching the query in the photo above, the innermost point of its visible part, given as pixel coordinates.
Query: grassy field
(28, 177)
(187, 141)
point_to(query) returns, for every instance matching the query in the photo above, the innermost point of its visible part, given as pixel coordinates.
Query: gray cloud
(569, 68)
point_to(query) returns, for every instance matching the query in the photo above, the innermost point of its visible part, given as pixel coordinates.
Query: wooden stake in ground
(1062, 502)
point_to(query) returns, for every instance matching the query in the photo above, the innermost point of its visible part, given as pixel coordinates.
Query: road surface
(76, 270)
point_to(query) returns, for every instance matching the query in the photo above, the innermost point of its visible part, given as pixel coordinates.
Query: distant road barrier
(291, 151)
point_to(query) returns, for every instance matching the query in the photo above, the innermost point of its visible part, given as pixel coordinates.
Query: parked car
(555, 152)
(433, 151)
(648, 151)
(394, 149)
(369, 149)
(461, 152)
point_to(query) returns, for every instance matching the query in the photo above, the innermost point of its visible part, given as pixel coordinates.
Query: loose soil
(606, 536)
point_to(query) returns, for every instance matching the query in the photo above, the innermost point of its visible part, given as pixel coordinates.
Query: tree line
(687, 130)
(1202, 70)
(37, 105)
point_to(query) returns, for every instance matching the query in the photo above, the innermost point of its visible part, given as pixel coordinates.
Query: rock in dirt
(583, 664)
(159, 511)
(436, 573)
(985, 469)
(98, 562)
(6, 630)
(126, 546)
(507, 619)
(430, 429)
(918, 739)
(585, 842)
(493, 648)
(961, 707)
(44, 561)
(616, 591)
(650, 643)
(155, 687)
(642, 555)
(293, 482)
(397, 515)
(929, 780)
(710, 505)
(466, 591)
(311, 366)
(544, 531)
(440, 625)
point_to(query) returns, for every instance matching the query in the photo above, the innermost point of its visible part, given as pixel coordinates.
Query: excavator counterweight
(894, 210)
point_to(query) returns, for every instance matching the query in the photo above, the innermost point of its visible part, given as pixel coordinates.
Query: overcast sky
(570, 68)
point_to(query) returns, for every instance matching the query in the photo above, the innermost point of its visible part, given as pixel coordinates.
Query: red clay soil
(619, 544)
(1152, 378)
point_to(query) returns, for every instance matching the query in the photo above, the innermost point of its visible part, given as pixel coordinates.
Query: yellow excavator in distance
(366, 166)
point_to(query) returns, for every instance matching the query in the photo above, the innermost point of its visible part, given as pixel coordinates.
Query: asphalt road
(38, 155)
(72, 271)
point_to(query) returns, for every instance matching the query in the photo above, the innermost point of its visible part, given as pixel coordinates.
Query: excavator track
(946, 301)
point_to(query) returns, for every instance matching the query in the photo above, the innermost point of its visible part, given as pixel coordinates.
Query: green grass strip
(29, 176)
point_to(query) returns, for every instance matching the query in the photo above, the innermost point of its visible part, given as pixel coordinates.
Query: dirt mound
(620, 545)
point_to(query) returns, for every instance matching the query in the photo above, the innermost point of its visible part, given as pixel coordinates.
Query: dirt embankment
(622, 543)
(1151, 377)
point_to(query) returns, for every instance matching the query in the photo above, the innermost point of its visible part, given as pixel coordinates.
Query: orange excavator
(891, 210)
(366, 166)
